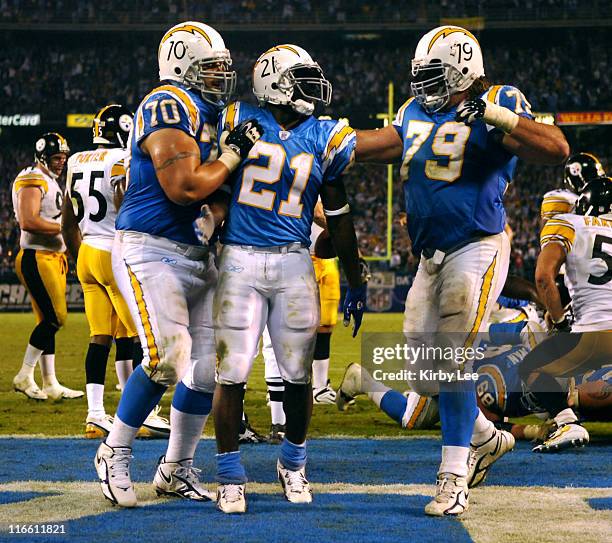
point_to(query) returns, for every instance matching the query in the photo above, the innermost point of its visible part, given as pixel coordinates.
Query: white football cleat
(154, 426)
(27, 385)
(60, 392)
(295, 485)
(350, 387)
(113, 467)
(231, 498)
(98, 427)
(452, 496)
(484, 455)
(564, 436)
(180, 479)
(324, 396)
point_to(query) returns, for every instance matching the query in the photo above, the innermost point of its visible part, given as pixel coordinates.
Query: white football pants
(169, 289)
(257, 288)
(456, 296)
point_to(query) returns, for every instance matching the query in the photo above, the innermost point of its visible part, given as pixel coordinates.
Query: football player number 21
(264, 199)
(448, 143)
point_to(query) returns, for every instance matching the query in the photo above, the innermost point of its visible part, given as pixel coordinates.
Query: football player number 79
(270, 174)
(448, 143)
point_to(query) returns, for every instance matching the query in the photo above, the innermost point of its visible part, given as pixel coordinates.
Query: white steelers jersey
(587, 242)
(50, 208)
(556, 202)
(90, 183)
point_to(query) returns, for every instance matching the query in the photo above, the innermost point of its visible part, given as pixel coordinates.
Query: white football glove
(206, 224)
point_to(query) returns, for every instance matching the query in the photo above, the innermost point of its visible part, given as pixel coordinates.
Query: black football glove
(470, 111)
(242, 138)
(563, 326)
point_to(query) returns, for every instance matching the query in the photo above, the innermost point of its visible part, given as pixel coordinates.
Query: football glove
(205, 224)
(365, 270)
(354, 306)
(236, 145)
(564, 325)
(471, 111)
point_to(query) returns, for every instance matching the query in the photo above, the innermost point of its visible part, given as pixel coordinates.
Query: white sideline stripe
(403, 437)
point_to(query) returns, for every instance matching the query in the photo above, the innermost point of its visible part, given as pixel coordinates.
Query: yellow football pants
(328, 279)
(106, 310)
(43, 274)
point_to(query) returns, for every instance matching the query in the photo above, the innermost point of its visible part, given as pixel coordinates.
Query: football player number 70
(270, 174)
(448, 143)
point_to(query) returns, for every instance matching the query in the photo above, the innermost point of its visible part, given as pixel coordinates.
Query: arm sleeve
(560, 231)
(554, 205)
(511, 98)
(167, 108)
(398, 122)
(339, 153)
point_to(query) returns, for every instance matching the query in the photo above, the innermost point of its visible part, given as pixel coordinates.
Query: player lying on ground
(164, 272)
(265, 271)
(583, 242)
(458, 140)
(41, 263)
(88, 226)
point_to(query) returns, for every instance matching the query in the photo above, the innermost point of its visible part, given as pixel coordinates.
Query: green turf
(19, 415)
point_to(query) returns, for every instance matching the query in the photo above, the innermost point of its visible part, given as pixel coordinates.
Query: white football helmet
(447, 60)
(194, 54)
(287, 75)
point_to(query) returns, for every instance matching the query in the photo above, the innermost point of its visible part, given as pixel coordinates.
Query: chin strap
(303, 107)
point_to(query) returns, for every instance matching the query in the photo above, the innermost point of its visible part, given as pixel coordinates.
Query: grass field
(370, 486)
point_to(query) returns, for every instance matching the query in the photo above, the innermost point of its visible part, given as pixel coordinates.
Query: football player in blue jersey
(265, 271)
(458, 139)
(165, 274)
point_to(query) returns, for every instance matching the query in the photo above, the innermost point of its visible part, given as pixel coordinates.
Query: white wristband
(335, 212)
(230, 160)
(500, 117)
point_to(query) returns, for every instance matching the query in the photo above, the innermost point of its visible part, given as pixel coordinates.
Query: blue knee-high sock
(191, 401)
(458, 411)
(394, 404)
(139, 398)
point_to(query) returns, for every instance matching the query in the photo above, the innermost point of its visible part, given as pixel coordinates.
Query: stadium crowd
(70, 76)
(292, 12)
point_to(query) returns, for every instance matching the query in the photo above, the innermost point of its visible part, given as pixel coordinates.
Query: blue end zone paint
(357, 518)
(601, 503)
(359, 461)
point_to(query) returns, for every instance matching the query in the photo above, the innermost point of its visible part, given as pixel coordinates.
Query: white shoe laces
(232, 493)
(446, 490)
(190, 474)
(155, 416)
(295, 480)
(119, 469)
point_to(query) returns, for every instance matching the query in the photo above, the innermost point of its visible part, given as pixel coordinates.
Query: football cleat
(60, 392)
(483, 456)
(180, 479)
(452, 496)
(231, 498)
(28, 386)
(154, 426)
(277, 434)
(564, 436)
(324, 395)
(295, 485)
(248, 434)
(113, 467)
(98, 427)
(349, 387)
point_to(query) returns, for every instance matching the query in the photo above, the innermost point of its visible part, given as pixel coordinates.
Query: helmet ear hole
(465, 70)
(177, 70)
(274, 85)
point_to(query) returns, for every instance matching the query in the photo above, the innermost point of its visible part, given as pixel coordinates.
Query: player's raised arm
(176, 158)
(506, 109)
